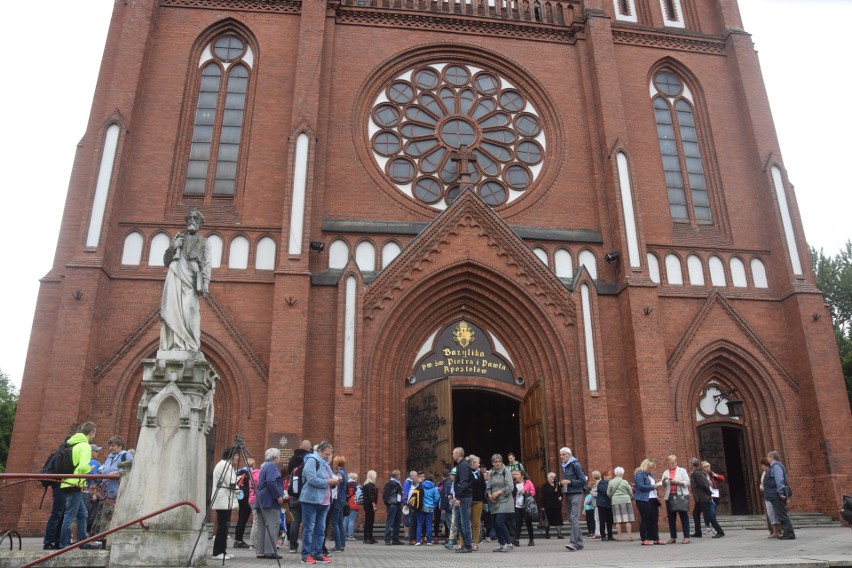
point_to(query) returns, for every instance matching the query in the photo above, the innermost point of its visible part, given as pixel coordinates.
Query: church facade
(509, 225)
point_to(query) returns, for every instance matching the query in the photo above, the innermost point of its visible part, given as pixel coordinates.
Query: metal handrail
(10, 534)
(25, 477)
(99, 536)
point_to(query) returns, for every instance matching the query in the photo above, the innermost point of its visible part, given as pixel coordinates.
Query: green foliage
(8, 406)
(834, 278)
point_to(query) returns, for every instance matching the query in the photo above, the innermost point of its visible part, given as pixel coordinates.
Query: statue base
(176, 412)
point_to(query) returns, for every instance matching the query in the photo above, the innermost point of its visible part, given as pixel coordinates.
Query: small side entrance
(724, 446)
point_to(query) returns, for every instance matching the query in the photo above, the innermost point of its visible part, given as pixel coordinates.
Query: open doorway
(723, 445)
(485, 423)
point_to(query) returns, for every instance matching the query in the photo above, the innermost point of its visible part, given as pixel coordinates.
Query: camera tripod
(238, 449)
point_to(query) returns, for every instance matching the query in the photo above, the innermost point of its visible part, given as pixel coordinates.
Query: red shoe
(647, 543)
(324, 558)
(659, 542)
(309, 560)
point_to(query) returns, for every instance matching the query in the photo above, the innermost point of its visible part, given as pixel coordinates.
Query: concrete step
(758, 522)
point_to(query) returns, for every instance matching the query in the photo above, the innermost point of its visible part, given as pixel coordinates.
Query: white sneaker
(416, 544)
(223, 557)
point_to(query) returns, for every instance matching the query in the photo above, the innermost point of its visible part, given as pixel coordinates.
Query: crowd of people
(467, 505)
(471, 503)
(88, 503)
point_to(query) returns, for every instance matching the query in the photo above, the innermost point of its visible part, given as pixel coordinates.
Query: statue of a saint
(188, 261)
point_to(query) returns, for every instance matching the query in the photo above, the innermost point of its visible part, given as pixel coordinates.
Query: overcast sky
(58, 46)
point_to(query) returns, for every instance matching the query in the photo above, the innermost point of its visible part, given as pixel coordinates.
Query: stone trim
(665, 41)
(273, 6)
(458, 24)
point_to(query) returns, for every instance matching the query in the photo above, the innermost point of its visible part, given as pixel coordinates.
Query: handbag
(678, 501)
(530, 509)
(846, 511)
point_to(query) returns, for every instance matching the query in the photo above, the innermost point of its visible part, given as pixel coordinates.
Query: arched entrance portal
(485, 423)
(724, 446)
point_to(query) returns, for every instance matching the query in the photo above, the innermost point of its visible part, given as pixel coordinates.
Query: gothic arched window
(217, 131)
(678, 135)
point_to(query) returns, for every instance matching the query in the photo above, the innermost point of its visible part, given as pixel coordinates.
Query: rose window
(432, 122)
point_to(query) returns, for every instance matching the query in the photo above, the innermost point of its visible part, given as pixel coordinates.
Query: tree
(834, 278)
(8, 406)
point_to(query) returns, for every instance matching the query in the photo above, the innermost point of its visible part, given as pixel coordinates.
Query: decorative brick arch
(540, 349)
(733, 367)
(232, 402)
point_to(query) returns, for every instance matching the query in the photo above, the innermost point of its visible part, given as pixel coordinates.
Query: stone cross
(463, 156)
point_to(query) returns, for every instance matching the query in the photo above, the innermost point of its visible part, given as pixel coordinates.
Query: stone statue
(188, 261)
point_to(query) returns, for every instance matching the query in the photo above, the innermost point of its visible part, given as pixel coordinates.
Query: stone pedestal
(176, 413)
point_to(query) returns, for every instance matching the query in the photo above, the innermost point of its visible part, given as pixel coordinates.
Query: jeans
(350, 524)
(684, 521)
(74, 509)
(424, 525)
(464, 521)
(710, 515)
(501, 526)
(313, 534)
(573, 504)
(392, 522)
(57, 512)
(713, 506)
(293, 531)
(337, 521)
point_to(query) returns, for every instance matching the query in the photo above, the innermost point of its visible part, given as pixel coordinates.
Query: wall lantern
(735, 405)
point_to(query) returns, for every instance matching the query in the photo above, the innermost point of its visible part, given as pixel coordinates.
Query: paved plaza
(818, 547)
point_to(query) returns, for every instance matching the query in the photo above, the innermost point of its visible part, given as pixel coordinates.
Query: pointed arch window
(217, 131)
(678, 135)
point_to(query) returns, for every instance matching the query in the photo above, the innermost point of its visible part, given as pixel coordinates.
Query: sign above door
(462, 349)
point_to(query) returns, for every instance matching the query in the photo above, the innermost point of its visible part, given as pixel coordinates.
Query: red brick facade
(276, 336)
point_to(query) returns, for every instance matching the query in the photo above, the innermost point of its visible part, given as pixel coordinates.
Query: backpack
(294, 483)
(531, 509)
(415, 499)
(61, 462)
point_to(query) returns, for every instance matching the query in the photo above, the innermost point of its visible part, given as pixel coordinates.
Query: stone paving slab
(818, 547)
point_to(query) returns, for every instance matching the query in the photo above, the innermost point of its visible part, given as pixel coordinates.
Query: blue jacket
(604, 500)
(573, 471)
(643, 485)
(446, 491)
(342, 490)
(431, 498)
(111, 466)
(270, 486)
(315, 476)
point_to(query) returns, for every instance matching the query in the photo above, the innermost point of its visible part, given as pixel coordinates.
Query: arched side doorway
(724, 446)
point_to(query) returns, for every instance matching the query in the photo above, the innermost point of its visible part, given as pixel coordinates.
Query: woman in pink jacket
(524, 489)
